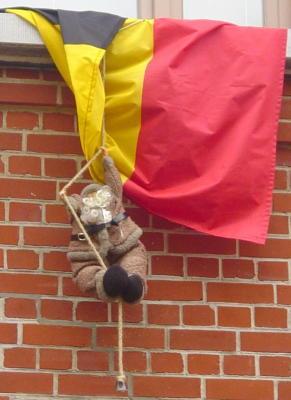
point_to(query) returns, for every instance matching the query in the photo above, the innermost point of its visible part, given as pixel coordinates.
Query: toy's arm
(112, 176)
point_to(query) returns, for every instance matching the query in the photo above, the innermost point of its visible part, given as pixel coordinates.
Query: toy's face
(95, 206)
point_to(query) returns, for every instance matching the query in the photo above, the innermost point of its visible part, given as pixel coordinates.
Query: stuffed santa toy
(116, 238)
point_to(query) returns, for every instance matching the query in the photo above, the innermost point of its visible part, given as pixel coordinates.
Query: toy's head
(96, 202)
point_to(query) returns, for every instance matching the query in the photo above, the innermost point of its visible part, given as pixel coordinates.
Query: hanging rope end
(121, 383)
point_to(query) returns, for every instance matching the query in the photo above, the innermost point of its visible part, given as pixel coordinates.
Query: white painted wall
(241, 12)
(127, 8)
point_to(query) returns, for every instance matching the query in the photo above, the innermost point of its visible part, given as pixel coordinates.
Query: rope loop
(120, 379)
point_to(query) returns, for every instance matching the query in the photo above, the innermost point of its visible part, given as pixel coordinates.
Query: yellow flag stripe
(126, 61)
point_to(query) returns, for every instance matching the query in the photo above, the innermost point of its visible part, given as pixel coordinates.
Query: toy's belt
(95, 228)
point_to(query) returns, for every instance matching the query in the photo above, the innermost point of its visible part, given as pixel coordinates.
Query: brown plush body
(118, 244)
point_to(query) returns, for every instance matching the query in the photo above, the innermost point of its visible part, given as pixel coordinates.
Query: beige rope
(121, 379)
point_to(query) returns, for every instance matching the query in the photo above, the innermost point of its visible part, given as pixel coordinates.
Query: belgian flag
(191, 111)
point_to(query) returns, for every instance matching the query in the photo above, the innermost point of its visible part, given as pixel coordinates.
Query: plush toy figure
(116, 238)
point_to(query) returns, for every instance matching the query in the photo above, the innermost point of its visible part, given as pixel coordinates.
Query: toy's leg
(89, 276)
(115, 281)
(134, 263)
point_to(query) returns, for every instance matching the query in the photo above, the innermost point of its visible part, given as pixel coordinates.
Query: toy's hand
(104, 151)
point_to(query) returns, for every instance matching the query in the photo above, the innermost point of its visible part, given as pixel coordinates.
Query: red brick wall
(215, 323)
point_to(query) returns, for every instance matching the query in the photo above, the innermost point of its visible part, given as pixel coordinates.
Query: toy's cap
(92, 187)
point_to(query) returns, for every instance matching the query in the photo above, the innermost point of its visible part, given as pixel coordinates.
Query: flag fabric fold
(191, 111)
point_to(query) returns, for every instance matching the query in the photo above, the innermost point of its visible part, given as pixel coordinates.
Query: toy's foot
(115, 281)
(134, 289)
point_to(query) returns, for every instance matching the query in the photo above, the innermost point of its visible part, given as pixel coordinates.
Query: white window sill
(21, 43)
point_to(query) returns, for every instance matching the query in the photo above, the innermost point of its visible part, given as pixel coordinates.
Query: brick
(90, 311)
(46, 236)
(20, 308)
(9, 234)
(134, 361)
(167, 265)
(239, 365)
(285, 108)
(71, 289)
(87, 385)
(57, 144)
(26, 382)
(8, 333)
(25, 165)
(284, 294)
(27, 189)
(22, 120)
(22, 259)
(202, 340)
(56, 335)
(271, 317)
(200, 244)
(281, 178)
(234, 316)
(19, 358)
(239, 389)
(28, 94)
(150, 338)
(203, 364)
(283, 155)
(1, 258)
(240, 293)
(204, 267)
(237, 268)
(161, 223)
(140, 216)
(174, 290)
(198, 315)
(274, 248)
(86, 174)
(22, 73)
(131, 312)
(279, 224)
(286, 86)
(153, 241)
(28, 283)
(26, 212)
(58, 122)
(2, 167)
(55, 359)
(282, 202)
(2, 211)
(273, 271)
(75, 188)
(57, 309)
(160, 387)
(275, 366)
(284, 390)
(68, 99)
(92, 361)
(60, 168)
(56, 213)
(266, 342)
(167, 362)
(284, 132)
(10, 141)
(52, 75)
(56, 261)
(163, 314)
